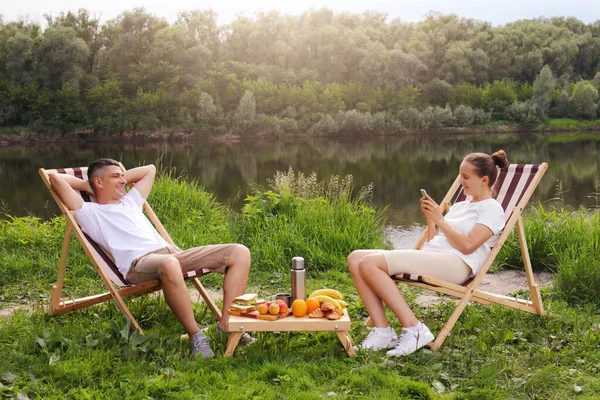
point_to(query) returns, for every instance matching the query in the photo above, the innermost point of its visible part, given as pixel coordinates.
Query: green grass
(566, 124)
(492, 353)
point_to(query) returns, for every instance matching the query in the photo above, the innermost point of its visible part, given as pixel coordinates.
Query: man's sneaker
(200, 346)
(379, 339)
(411, 341)
(245, 339)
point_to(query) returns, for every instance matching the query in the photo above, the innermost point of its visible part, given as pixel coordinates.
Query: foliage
(137, 72)
(322, 221)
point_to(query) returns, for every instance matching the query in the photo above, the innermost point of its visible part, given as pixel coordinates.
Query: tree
(60, 57)
(583, 101)
(542, 89)
(437, 92)
(245, 116)
(86, 28)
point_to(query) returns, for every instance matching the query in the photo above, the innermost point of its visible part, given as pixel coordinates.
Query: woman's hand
(432, 210)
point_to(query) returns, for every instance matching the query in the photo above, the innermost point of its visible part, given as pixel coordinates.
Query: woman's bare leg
(375, 277)
(369, 298)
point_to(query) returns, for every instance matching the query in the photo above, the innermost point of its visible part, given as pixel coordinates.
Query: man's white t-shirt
(463, 216)
(121, 229)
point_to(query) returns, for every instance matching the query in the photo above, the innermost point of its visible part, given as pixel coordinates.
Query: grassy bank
(493, 353)
(558, 127)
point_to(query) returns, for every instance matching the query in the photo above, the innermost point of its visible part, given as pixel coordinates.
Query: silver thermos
(298, 279)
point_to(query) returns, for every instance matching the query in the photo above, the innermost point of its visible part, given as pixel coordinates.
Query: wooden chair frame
(470, 292)
(57, 306)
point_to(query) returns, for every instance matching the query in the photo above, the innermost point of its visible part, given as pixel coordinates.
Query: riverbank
(22, 135)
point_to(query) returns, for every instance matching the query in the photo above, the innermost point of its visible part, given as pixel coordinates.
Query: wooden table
(239, 325)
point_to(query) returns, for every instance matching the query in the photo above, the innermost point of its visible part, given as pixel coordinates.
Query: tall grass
(578, 266)
(567, 243)
(549, 232)
(301, 216)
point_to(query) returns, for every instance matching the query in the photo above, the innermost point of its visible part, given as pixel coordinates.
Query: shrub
(480, 117)
(300, 215)
(463, 116)
(437, 117)
(325, 126)
(411, 118)
(583, 100)
(517, 112)
(353, 121)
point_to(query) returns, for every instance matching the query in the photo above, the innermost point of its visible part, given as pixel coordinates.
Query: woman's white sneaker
(411, 340)
(379, 339)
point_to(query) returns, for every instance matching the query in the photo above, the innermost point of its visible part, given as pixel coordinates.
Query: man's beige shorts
(148, 267)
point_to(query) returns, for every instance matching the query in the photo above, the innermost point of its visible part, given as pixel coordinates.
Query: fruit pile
(272, 307)
(322, 303)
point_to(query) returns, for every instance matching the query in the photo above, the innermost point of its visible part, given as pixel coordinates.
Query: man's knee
(170, 269)
(240, 255)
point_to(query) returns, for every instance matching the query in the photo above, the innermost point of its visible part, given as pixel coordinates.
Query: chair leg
(56, 291)
(536, 297)
(451, 321)
(211, 304)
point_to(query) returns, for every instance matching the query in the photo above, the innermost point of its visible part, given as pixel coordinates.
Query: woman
(465, 238)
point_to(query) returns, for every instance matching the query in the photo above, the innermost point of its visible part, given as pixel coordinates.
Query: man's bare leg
(177, 295)
(235, 280)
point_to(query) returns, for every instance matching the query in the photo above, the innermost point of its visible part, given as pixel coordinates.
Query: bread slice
(246, 299)
(238, 307)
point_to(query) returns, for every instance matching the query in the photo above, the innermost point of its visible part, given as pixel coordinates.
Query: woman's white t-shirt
(463, 216)
(121, 229)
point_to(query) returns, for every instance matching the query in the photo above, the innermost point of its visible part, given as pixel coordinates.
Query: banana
(323, 298)
(334, 294)
(343, 303)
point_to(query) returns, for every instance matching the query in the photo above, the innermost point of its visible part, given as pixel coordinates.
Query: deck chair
(513, 189)
(104, 264)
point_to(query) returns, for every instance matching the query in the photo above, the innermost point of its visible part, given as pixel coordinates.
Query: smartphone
(423, 193)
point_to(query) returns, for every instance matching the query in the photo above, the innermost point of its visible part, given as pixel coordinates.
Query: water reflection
(397, 166)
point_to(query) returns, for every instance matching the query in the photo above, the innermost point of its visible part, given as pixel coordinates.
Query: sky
(497, 12)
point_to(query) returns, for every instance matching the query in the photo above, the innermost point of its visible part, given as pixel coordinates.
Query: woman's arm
(466, 244)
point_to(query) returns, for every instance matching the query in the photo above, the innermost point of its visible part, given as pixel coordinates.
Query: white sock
(413, 329)
(387, 329)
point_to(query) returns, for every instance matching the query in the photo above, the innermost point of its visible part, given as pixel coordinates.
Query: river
(397, 166)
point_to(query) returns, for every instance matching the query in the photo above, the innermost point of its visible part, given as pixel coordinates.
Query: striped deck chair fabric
(513, 189)
(104, 263)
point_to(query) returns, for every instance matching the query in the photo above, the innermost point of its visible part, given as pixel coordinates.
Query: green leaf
(488, 372)
(438, 386)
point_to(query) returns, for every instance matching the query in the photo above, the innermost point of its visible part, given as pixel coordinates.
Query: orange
(299, 308)
(312, 304)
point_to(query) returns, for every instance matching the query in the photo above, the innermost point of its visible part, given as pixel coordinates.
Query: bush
(411, 118)
(353, 121)
(325, 126)
(480, 117)
(437, 117)
(463, 116)
(301, 216)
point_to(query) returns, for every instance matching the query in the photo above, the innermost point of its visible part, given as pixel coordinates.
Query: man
(117, 223)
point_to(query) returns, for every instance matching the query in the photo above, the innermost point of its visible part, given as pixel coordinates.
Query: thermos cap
(298, 263)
